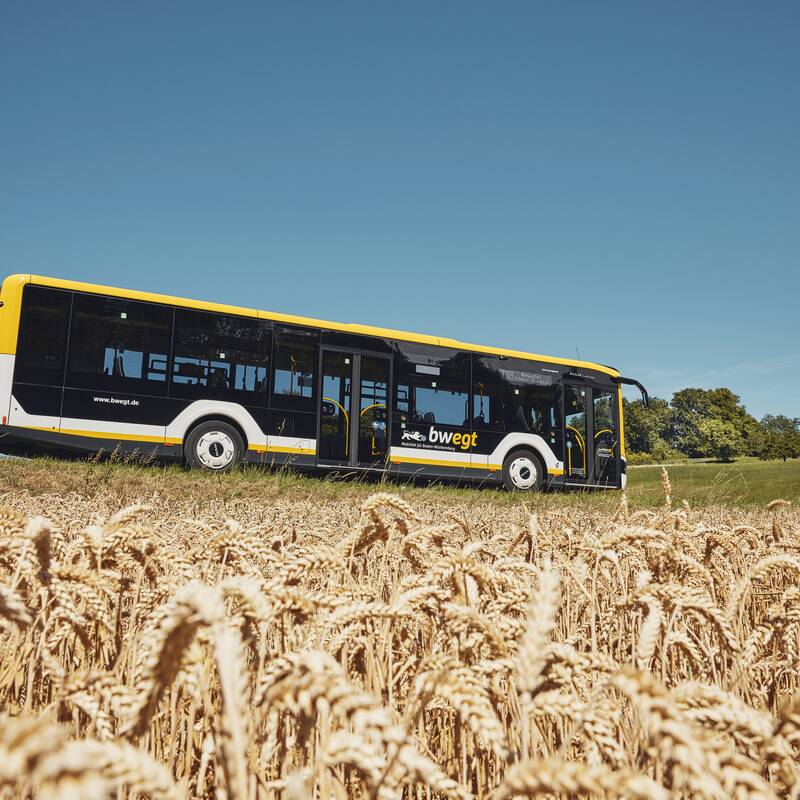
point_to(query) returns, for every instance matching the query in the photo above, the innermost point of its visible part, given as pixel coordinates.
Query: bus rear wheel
(214, 445)
(522, 472)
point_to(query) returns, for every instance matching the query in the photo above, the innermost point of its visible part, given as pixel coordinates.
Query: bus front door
(591, 439)
(353, 423)
(605, 437)
(577, 442)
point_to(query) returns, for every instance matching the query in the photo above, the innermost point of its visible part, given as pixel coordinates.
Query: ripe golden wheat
(309, 648)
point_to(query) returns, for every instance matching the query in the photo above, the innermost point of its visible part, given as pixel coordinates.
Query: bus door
(353, 423)
(605, 437)
(577, 438)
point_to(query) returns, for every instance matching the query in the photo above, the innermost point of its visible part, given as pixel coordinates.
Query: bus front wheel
(214, 445)
(522, 472)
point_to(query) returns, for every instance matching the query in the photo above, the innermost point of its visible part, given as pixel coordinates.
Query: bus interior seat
(119, 370)
(428, 418)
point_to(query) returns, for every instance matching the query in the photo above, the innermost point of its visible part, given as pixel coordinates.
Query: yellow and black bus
(98, 368)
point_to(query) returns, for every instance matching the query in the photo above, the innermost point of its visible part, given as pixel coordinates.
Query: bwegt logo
(462, 440)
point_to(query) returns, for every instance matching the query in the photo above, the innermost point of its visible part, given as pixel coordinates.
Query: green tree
(691, 406)
(720, 439)
(726, 406)
(645, 426)
(781, 437)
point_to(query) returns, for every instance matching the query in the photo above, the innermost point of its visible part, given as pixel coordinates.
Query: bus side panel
(288, 432)
(109, 414)
(35, 407)
(10, 304)
(6, 376)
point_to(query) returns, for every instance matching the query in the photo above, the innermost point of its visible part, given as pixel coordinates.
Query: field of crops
(300, 646)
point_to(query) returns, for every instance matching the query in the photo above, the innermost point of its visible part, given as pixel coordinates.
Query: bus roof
(365, 330)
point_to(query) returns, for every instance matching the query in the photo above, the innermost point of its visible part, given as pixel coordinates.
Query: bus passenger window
(401, 394)
(437, 384)
(119, 345)
(487, 406)
(293, 368)
(543, 415)
(439, 404)
(219, 356)
(42, 336)
(512, 395)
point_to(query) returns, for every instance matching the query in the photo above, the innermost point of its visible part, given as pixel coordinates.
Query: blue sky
(618, 179)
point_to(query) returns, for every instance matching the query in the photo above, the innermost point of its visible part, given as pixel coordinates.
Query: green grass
(747, 482)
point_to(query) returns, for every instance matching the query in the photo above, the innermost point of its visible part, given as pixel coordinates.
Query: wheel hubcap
(215, 450)
(523, 473)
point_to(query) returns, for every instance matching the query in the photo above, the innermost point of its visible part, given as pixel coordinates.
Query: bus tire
(523, 471)
(214, 445)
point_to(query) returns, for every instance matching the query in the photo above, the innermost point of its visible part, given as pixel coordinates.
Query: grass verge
(741, 484)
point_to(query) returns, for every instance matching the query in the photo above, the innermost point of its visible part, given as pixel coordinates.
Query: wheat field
(303, 648)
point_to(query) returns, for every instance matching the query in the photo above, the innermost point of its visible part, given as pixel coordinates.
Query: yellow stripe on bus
(434, 463)
(274, 448)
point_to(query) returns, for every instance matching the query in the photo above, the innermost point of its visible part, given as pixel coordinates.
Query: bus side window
(293, 368)
(513, 395)
(401, 398)
(42, 337)
(435, 383)
(487, 405)
(119, 345)
(220, 356)
(441, 402)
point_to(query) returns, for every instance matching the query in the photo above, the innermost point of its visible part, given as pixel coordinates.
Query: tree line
(709, 423)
